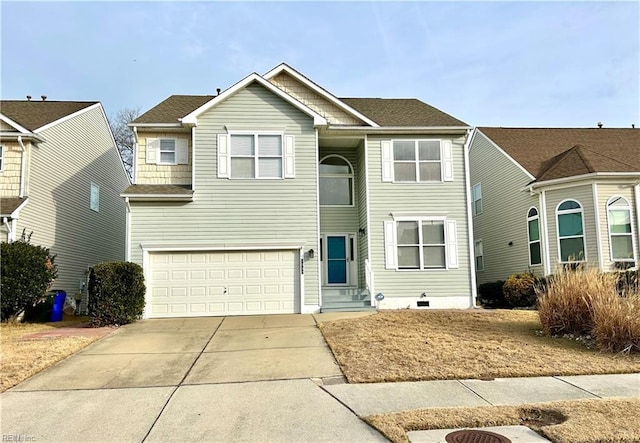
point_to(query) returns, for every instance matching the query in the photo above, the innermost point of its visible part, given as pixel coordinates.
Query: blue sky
(495, 63)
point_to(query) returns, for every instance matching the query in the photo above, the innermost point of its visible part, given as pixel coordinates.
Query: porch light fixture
(311, 253)
(362, 231)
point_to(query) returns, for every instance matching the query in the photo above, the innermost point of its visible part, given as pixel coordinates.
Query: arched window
(336, 181)
(620, 234)
(533, 228)
(570, 232)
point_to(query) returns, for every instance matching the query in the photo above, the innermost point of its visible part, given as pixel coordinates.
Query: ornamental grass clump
(617, 323)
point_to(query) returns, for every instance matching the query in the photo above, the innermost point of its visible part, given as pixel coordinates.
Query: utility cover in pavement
(475, 436)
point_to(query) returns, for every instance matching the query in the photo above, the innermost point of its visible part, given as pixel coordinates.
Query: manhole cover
(475, 436)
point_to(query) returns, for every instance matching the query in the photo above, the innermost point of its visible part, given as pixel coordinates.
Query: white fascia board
(404, 129)
(16, 212)
(68, 117)
(158, 247)
(591, 175)
(192, 118)
(319, 90)
(115, 145)
(155, 125)
(25, 136)
(157, 197)
(503, 152)
(13, 124)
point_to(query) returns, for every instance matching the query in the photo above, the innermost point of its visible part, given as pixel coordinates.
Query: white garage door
(190, 284)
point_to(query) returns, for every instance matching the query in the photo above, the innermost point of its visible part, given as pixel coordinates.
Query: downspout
(134, 160)
(23, 166)
(596, 210)
(470, 240)
(637, 195)
(545, 230)
(127, 247)
(5, 221)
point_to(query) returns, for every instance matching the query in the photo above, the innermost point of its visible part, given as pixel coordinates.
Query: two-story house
(275, 196)
(546, 197)
(61, 177)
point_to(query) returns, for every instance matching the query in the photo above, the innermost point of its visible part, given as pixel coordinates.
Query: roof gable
(552, 153)
(173, 108)
(33, 115)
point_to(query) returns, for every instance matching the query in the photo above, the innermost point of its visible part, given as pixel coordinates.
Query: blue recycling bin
(58, 306)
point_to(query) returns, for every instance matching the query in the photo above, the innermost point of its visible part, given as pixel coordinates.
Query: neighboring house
(546, 197)
(60, 182)
(275, 196)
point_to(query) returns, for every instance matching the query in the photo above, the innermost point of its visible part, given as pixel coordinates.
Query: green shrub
(520, 289)
(116, 293)
(27, 273)
(490, 295)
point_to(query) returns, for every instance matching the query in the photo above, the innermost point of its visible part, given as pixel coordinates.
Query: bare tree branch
(124, 135)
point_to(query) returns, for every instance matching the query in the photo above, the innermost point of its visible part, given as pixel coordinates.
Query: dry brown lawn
(21, 358)
(436, 345)
(577, 421)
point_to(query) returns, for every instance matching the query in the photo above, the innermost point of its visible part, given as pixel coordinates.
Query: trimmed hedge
(116, 293)
(490, 295)
(27, 273)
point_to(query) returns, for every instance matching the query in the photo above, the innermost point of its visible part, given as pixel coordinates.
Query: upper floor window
(620, 233)
(167, 151)
(256, 156)
(336, 181)
(570, 231)
(478, 252)
(417, 161)
(533, 231)
(95, 197)
(476, 196)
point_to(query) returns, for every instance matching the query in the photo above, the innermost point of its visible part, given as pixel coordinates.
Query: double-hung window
(478, 252)
(256, 156)
(167, 151)
(620, 233)
(417, 161)
(570, 232)
(533, 229)
(476, 195)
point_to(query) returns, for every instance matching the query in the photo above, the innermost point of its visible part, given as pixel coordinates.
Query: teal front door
(336, 260)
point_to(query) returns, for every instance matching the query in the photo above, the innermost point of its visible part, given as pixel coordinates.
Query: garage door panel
(222, 283)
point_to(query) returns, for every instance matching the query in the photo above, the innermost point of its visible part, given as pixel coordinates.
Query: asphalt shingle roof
(9, 204)
(159, 190)
(33, 114)
(549, 153)
(173, 108)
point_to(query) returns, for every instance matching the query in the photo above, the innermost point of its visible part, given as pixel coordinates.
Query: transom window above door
(336, 181)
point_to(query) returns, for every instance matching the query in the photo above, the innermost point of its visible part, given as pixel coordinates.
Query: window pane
(434, 256)
(570, 224)
(572, 249)
(622, 247)
(242, 168)
(405, 172)
(620, 221)
(167, 145)
(429, 150)
(334, 165)
(534, 230)
(404, 150)
(337, 248)
(479, 264)
(430, 172)
(167, 157)
(532, 212)
(433, 233)
(408, 257)
(242, 145)
(534, 253)
(337, 270)
(408, 233)
(476, 192)
(270, 145)
(619, 201)
(335, 191)
(570, 204)
(270, 167)
(478, 206)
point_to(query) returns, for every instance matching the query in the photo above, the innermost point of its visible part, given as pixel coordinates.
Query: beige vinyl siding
(605, 191)
(361, 199)
(583, 194)
(153, 174)
(504, 216)
(10, 175)
(313, 100)
(238, 211)
(446, 198)
(341, 219)
(76, 153)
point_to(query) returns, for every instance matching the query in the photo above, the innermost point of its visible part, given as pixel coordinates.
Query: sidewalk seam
(557, 377)
(475, 393)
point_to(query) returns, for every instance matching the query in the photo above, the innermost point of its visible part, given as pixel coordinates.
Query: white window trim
(476, 255)
(175, 151)
(474, 200)
(417, 161)
(529, 241)
(256, 155)
(419, 220)
(2, 158)
(351, 176)
(95, 207)
(584, 236)
(631, 234)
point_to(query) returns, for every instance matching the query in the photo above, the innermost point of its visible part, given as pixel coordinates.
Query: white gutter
(584, 177)
(185, 197)
(22, 166)
(156, 125)
(404, 129)
(470, 240)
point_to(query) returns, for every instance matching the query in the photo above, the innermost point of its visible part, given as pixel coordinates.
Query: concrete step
(346, 306)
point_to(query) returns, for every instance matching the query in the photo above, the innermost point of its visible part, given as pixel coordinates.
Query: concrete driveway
(210, 379)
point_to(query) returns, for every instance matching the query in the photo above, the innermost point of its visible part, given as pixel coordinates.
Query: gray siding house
(61, 177)
(546, 197)
(275, 196)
